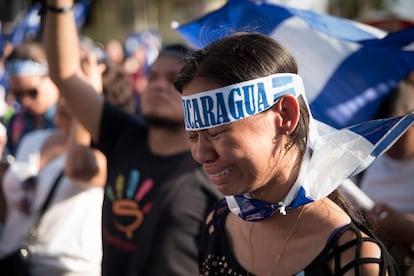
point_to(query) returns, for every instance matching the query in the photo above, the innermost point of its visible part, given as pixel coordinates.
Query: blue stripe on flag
(396, 132)
(345, 107)
(384, 132)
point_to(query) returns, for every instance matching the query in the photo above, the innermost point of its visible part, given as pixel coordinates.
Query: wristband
(64, 9)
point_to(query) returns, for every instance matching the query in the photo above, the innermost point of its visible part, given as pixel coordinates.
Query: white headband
(26, 67)
(238, 101)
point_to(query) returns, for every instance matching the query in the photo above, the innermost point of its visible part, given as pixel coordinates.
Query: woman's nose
(203, 150)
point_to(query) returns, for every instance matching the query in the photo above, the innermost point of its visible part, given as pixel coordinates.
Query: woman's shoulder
(353, 247)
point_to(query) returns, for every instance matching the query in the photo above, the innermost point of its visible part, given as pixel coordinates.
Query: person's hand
(91, 69)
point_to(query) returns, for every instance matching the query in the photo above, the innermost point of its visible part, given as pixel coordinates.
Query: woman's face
(239, 157)
(35, 93)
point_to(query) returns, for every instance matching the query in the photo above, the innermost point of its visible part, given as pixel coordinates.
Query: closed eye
(216, 131)
(214, 134)
(192, 136)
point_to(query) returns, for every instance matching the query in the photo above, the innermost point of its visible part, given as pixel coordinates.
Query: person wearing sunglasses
(33, 91)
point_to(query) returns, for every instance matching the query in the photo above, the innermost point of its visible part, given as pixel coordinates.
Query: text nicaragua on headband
(238, 101)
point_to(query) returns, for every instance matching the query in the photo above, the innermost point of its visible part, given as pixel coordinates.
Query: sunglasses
(20, 94)
(26, 202)
(31, 93)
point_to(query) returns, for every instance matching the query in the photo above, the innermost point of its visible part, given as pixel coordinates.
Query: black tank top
(216, 258)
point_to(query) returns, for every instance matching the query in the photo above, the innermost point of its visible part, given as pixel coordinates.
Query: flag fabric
(332, 158)
(29, 26)
(347, 67)
(337, 155)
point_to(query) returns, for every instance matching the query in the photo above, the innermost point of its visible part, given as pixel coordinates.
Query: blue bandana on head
(351, 149)
(26, 67)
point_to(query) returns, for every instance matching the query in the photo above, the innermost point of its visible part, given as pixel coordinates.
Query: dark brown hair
(28, 51)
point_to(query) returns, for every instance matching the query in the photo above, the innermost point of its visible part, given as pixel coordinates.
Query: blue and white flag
(27, 27)
(347, 67)
(336, 155)
(30, 24)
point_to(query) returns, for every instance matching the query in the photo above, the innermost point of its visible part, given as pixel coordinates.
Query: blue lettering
(222, 115)
(236, 107)
(262, 103)
(187, 112)
(249, 101)
(198, 122)
(207, 106)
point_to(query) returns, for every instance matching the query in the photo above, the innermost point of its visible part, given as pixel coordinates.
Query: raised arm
(84, 164)
(63, 54)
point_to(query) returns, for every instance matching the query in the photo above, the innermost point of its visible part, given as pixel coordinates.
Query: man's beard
(165, 123)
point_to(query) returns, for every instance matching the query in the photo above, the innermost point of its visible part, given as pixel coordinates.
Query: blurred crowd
(125, 76)
(38, 127)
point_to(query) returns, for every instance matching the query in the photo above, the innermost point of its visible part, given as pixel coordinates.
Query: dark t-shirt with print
(154, 205)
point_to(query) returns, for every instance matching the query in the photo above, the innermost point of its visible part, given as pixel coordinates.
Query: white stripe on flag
(309, 55)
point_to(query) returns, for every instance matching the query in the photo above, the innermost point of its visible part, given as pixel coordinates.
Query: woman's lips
(218, 177)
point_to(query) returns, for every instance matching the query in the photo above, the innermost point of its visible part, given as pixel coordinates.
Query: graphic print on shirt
(125, 202)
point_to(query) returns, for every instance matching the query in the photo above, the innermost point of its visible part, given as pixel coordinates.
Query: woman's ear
(289, 111)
